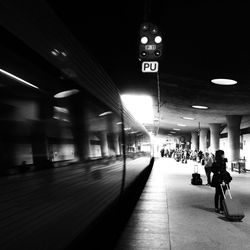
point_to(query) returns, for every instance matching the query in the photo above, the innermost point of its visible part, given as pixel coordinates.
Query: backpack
(219, 178)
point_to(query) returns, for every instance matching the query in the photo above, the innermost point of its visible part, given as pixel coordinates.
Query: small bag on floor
(196, 178)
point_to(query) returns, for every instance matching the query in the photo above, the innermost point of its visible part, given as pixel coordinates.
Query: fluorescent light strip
(222, 81)
(181, 125)
(106, 113)
(199, 107)
(188, 118)
(17, 78)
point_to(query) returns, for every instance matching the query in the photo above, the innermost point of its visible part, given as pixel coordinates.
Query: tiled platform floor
(173, 214)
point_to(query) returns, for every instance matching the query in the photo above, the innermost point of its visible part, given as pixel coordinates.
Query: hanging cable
(147, 9)
(158, 101)
(158, 93)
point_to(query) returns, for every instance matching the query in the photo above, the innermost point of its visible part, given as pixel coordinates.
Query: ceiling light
(106, 113)
(177, 129)
(181, 125)
(222, 81)
(158, 39)
(144, 40)
(64, 54)
(127, 128)
(172, 132)
(188, 118)
(54, 53)
(60, 109)
(119, 123)
(66, 93)
(140, 106)
(199, 107)
(17, 78)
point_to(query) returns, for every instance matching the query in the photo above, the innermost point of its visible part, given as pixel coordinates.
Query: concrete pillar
(214, 136)
(194, 141)
(113, 144)
(80, 126)
(233, 124)
(39, 138)
(116, 144)
(203, 140)
(104, 144)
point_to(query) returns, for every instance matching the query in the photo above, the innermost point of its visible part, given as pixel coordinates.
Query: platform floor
(173, 214)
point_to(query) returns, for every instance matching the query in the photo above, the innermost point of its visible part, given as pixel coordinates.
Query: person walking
(208, 165)
(220, 177)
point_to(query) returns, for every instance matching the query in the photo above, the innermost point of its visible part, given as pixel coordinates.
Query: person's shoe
(221, 212)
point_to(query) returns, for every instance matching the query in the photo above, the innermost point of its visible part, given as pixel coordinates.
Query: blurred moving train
(68, 146)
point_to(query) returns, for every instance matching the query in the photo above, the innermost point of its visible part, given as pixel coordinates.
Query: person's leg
(206, 170)
(216, 198)
(209, 176)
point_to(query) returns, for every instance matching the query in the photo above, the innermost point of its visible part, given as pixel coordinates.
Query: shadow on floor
(204, 186)
(227, 220)
(208, 209)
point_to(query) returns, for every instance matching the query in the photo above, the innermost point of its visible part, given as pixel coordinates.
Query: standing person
(208, 165)
(162, 152)
(220, 177)
(200, 156)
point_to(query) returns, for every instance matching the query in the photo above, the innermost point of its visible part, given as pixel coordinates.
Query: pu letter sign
(150, 67)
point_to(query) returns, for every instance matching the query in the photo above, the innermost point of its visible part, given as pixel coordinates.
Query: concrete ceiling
(202, 42)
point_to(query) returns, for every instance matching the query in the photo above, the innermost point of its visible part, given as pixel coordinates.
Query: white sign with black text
(150, 67)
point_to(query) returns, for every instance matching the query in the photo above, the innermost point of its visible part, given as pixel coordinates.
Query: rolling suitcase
(232, 207)
(196, 178)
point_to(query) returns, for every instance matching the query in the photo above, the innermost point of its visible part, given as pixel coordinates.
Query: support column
(214, 136)
(233, 124)
(203, 140)
(80, 126)
(116, 144)
(104, 144)
(39, 145)
(194, 141)
(39, 137)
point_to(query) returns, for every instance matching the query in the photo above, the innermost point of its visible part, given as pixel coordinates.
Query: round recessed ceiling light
(144, 40)
(181, 125)
(199, 107)
(188, 118)
(177, 129)
(222, 81)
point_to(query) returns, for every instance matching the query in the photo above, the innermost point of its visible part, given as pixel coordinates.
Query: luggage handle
(196, 166)
(228, 192)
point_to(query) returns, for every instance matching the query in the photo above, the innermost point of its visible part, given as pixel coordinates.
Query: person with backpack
(220, 177)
